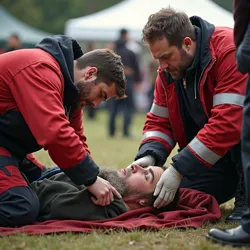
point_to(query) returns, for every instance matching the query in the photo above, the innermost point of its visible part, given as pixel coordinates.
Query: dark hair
(151, 199)
(14, 35)
(110, 68)
(173, 25)
(123, 32)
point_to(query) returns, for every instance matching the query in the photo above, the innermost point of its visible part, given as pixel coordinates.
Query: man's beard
(115, 180)
(186, 61)
(85, 89)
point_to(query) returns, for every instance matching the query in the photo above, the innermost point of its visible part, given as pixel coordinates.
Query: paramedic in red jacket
(42, 92)
(198, 101)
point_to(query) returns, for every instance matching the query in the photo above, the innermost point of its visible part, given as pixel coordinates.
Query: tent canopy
(133, 15)
(29, 36)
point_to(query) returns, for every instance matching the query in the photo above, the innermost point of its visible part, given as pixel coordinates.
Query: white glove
(145, 161)
(167, 187)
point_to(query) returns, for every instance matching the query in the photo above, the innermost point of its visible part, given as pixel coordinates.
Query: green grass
(117, 152)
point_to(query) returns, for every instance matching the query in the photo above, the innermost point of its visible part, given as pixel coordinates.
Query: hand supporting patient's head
(135, 184)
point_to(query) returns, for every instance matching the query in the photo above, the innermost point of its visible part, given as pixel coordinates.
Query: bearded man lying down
(61, 199)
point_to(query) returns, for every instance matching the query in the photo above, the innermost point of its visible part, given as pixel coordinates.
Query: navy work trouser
(19, 204)
(221, 180)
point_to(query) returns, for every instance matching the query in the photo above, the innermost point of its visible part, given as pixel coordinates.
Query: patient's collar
(126, 205)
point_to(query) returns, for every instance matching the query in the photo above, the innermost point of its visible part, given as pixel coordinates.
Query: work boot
(236, 237)
(240, 204)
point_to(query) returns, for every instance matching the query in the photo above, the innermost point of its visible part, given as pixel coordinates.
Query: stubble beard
(115, 180)
(186, 60)
(85, 89)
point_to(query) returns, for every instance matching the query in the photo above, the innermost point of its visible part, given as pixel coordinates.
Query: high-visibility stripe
(228, 98)
(159, 110)
(203, 151)
(159, 134)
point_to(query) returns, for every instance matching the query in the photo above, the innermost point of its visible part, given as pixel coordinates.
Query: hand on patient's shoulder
(103, 192)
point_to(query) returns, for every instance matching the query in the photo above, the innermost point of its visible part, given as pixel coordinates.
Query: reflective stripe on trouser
(203, 151)
(159, 134)
(159, 110)
(228, 98)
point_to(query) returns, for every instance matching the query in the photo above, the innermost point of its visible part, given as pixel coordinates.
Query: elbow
(243, 60)
(243, 66)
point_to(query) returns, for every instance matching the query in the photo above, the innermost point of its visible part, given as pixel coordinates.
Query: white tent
(133, 15)
(10, 24)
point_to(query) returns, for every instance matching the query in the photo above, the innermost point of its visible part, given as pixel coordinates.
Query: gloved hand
(145, 161)
(167, 187)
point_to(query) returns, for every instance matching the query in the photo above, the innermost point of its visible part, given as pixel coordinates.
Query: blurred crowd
(141, 71)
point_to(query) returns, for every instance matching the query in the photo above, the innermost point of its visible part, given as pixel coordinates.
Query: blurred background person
(153, 67)
(13, 43)
(132, 72)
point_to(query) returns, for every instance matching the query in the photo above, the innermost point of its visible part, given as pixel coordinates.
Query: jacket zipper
(67, 111)
(195, 95)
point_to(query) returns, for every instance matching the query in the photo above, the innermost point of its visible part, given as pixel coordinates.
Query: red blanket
(195, 209)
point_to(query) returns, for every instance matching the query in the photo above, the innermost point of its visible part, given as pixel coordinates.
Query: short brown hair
(110, 68)
(175, 26)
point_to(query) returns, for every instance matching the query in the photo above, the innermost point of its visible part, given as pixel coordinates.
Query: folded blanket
(194, 210)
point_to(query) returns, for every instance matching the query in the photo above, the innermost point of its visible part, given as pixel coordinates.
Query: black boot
(236, 237)
(240, 204)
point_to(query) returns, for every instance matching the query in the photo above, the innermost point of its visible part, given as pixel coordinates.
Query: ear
(91, 71)
(187, 42)
(143, 202)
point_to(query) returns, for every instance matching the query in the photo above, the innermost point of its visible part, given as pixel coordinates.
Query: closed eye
(152, 174)
(146, 174)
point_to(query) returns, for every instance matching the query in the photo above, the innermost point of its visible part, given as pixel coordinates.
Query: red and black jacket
(219, 95)
(38, 107)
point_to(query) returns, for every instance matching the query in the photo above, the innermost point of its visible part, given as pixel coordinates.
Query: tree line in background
(51, 16)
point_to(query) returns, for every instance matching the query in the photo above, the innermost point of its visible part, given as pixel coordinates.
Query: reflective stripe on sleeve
(203, 151)
(228, 98)
(161, 135)
(159, 110)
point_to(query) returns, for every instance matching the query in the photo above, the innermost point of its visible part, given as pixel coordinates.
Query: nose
(136, 169)
(163, 64)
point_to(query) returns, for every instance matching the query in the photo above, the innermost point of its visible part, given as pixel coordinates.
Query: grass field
(117, 152)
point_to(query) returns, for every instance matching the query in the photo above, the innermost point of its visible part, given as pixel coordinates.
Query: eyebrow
(166, 54)
(153, 175)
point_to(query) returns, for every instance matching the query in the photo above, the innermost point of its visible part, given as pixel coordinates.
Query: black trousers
(19, 204)
(221, 180)
(124, 106)
(246, 155)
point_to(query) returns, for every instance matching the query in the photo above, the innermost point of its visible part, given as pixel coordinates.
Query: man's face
(133, 179)
(171, 58)
(141, 180)
(93, 94)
